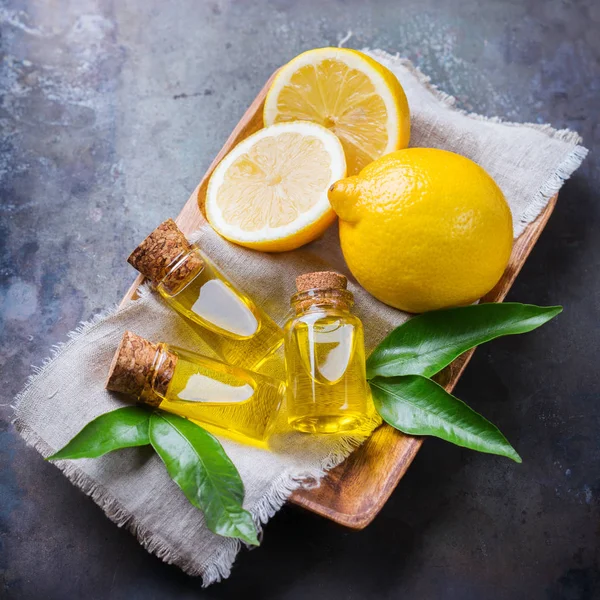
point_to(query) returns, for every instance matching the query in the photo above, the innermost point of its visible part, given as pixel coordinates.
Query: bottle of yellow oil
(325, 359)
(232, 400)
(224, 317)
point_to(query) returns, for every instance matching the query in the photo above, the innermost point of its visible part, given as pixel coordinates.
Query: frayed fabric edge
(551, 186)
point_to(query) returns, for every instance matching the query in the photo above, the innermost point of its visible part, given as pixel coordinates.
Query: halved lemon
(270, 192)
(348, 92)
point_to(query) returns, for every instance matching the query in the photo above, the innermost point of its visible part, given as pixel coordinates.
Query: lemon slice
(348, 92)
(270, 192)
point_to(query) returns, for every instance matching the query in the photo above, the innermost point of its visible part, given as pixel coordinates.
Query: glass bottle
(236, 401)
(224, 317)
(325, 358)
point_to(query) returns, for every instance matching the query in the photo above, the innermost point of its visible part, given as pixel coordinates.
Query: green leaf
(419, 406)
(427, 343)
(198, 464)
(121, 428)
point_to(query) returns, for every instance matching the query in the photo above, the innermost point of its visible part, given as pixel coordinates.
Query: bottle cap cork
(156, 255)
(135, 368)
(321, 280)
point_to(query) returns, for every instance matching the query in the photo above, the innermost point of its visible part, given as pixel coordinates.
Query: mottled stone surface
(111, 112)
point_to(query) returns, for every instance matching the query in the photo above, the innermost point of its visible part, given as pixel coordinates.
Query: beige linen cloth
(529, 162)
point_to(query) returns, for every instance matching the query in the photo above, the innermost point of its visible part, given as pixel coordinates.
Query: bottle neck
(159, 376)
(322, 299)
(183, 269)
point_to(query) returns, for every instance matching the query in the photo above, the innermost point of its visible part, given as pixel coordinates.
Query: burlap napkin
(529, 162)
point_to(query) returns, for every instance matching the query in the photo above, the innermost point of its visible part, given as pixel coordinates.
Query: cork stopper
(321, 280)
(157, 255)
(135, 369)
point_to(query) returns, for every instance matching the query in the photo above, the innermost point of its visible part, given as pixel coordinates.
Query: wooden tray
(354, 492)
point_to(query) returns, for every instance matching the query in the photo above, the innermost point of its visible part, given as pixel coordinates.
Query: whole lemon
(423, 229)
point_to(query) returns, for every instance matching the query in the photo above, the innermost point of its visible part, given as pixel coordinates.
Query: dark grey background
(112, 111)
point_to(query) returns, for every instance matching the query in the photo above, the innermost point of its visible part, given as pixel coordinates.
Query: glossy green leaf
(121, 428)
(427, 343)
(419, 406)
(198, 464)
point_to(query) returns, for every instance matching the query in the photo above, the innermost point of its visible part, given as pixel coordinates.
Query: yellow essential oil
(232, 400)
(224, 317)
(325, 359)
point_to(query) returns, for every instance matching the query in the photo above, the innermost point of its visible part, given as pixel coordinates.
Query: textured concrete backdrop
(112, 111)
